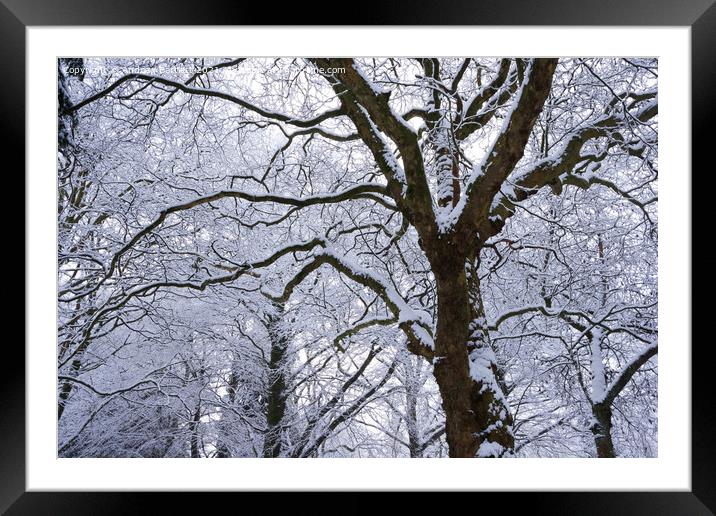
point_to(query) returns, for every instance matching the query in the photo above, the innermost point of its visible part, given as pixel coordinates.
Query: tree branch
(509, 145)
(626, 374)
(151, 79)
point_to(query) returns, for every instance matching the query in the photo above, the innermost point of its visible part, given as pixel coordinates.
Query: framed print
(443, 238)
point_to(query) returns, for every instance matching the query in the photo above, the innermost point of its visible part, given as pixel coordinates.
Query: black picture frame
(17, 15)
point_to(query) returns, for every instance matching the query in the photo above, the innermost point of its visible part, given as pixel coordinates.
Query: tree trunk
(194, 441)
(415, 446)
(66, 389)
(276, 392)
(493, 411)
(477, 419)
(602, 430)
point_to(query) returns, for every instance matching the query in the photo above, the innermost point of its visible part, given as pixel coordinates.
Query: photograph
(357, 257)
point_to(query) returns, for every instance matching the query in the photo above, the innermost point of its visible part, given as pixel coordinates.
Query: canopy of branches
(375, 257)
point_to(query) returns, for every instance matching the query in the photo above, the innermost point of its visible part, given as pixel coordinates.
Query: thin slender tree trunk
(276, 393)
(194, 442)
(601, 411)
(173, 426)
(415, 446)
(224, 450)
(66, 389)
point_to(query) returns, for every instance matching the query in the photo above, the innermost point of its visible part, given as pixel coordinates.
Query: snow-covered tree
(357, 257)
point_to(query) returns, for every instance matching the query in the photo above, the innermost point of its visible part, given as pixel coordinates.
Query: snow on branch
(361, 325)
(370, 191)
(621, 379)
(370, 111)
(150, 288)
(509, 145)
(151, 79)
(417, 324)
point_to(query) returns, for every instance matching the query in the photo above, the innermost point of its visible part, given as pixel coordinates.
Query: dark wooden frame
(16, 15)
